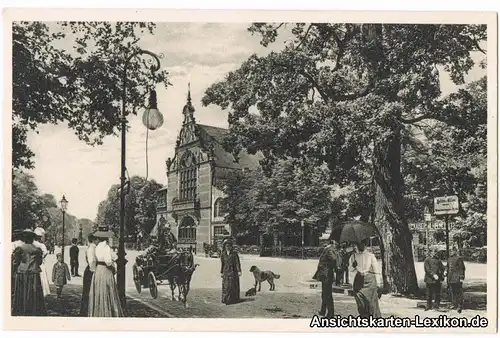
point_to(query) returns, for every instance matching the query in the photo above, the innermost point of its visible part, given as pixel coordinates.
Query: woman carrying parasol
(367, 281)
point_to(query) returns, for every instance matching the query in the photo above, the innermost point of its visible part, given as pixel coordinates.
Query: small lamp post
(64, 207)
(80, 235)
(302, 225)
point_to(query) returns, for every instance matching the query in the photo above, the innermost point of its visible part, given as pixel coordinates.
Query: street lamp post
(80, 235)
(302, 226)
(122, 261)
(64, 207)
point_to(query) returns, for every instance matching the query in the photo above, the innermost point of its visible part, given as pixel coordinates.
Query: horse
(181, 271)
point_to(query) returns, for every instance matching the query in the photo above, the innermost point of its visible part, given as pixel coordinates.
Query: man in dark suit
(434, 275)
(456, 275)
(74, 252)
(324, 274)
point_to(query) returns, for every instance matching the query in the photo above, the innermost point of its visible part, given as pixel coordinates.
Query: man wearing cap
(325, 275)
(74, 253)
(456, 275)
(434, 275)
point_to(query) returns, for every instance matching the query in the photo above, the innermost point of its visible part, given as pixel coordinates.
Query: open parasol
(353, 232)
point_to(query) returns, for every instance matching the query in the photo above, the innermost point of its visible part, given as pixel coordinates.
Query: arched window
(219, 208)
(188, 177)
(187, 230)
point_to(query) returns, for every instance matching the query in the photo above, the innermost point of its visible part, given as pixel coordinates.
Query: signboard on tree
(447, 205)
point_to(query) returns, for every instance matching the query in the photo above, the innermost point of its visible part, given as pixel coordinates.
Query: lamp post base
(121, 263)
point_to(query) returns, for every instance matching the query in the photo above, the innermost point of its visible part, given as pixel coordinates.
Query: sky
(195, 53)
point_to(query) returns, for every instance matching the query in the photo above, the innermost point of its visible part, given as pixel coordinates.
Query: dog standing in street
(262, 276)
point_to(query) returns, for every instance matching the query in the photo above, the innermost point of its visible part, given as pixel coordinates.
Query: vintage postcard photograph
(250, 171)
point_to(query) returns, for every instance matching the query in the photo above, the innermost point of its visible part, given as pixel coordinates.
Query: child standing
(60, 275)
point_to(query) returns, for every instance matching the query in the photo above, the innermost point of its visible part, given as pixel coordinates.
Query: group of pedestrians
(435, 273)
(366, 281)
(367, 285)
(30, 283)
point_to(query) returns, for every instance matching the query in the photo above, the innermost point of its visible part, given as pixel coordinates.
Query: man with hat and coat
(168, 242)
(455, 277)
(434, 275)
(324, 274)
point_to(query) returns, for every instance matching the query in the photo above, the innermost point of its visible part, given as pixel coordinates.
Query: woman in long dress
(39, 233)
(230, 273)
(28, 299)
(366, 282)
(103, 297)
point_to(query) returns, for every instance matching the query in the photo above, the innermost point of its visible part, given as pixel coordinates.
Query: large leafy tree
(72, 72)
(29, 207)
(339, 94)
(278, 202)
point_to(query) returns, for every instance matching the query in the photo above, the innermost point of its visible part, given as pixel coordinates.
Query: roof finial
(189, 92)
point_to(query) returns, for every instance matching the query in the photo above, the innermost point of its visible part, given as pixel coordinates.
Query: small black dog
(251, 292)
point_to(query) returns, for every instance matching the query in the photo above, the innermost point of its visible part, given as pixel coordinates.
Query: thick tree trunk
(398, 262)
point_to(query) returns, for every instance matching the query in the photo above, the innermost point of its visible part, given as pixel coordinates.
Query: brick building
(191, 201)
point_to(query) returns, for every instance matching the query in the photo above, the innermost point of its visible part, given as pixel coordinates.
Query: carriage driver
(169, 240)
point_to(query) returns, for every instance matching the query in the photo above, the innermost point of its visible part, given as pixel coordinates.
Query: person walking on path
(434, 275)
(367, 281)
(103, 296)
(28, 299)
(39, 233)
(324, 274)
(230, 273)
(74, 253)
(60, 275)
(455, 276)
(88, 273)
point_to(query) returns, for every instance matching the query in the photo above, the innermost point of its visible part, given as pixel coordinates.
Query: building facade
(193, 197)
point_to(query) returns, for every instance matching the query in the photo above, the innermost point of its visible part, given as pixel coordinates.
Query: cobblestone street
(292, 299)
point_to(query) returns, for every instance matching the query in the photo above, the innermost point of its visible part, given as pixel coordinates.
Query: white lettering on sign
(447, 205)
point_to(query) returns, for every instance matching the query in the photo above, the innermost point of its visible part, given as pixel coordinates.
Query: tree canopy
(32, 209)
(278, 202)
(72, 72)
(140, 206)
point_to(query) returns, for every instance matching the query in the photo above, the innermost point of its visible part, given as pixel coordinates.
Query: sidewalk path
(69, 305)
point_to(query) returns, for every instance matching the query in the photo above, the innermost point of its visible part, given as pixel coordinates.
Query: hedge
(476, 255)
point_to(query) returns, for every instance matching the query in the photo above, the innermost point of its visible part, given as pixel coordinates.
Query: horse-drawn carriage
(155, 267)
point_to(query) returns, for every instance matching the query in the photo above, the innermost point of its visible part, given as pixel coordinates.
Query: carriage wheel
(153, 286)
(137, 271)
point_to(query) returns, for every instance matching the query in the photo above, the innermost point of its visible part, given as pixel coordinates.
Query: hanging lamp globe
(152, 118)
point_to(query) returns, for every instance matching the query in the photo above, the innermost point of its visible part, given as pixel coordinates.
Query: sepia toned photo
(285, 172)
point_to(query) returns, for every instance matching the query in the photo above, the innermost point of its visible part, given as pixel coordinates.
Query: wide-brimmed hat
(27, 233)
(227, 241)
(103, 232)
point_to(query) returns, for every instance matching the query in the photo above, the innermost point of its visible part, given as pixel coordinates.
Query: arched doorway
(187, 232)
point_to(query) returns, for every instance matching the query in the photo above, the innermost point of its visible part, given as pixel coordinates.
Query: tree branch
(305, 36)
(315, 84)
(416, 119)
(476, 43)
(362, 93)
